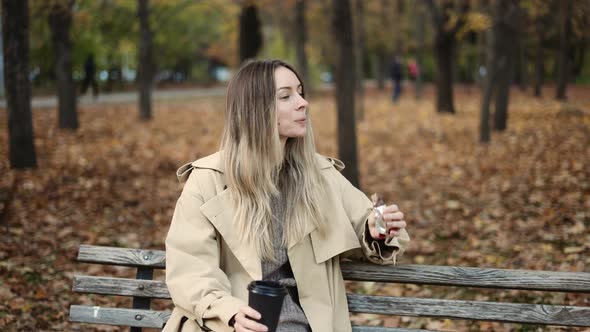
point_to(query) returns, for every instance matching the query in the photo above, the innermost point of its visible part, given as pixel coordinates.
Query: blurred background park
(473, 116)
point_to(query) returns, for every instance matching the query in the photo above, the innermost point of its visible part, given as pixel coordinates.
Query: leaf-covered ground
(521, 202)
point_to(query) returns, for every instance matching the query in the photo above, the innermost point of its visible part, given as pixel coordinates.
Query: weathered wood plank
(416, 274)
(473, 310)
(122, 256)
(360, 328)
(156, 319)
(578, 282)
(117, 316)
(120, 286)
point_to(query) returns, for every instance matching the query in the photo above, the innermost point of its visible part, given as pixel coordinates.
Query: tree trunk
(488, 87)
(506, 29)
(506, 35)
(300, 40)
(563, 63)
(444, 48)
(250, 35)
(420, 19)
(15, 32)
(60, 21)
(382, 57)
(505, 72)
(445, 31)
(522, 61)
(145, 74)
(359, 29)
(345, 83)
(539, 59)
(381, 69)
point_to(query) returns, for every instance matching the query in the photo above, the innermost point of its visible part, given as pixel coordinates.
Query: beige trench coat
(208, 268)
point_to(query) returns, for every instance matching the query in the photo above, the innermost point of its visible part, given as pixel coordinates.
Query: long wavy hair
(258, 169)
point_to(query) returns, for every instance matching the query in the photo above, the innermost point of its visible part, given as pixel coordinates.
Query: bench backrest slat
(493, 311)
(120, 286)
(505, 312)
(122, 256)
(118, 316)
(412, 274)
(469, 277)
(143, 291)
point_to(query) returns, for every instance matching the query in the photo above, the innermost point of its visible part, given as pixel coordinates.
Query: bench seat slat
(360, 328)
(156, 319)
(469, 277)
(120, 286)
(118, 316)
(122, 256)
(478, 310)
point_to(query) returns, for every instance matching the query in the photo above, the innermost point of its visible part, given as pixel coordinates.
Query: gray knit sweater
(292, 317)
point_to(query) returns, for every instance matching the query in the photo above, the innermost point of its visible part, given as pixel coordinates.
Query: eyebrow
(288, 87)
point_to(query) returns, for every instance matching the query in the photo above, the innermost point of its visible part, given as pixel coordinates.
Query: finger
(239, 328)
(391, 209)
(249, 311)
(395, 216)
(248, 324)
(396, 225)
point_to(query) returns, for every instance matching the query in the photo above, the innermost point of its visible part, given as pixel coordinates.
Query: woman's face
(290, 106)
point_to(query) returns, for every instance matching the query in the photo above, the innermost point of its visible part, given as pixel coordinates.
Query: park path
(129, 97)
(47, 102)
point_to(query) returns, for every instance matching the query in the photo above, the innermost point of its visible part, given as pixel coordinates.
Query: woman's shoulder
(327, 163)
(203, 175)
(211, 162)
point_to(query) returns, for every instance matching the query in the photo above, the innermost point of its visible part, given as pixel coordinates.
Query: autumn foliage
(521, 202)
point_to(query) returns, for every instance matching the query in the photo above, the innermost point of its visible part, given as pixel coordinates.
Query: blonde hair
(258, 169)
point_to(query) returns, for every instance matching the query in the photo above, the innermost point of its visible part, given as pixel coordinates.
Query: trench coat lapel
(220, 212)
(340, 235)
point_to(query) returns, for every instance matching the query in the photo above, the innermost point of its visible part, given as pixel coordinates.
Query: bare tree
(508, 16)
(60, 22)
(15, 32)
(382, 55)
(500, 63)
(300, 41)
(250, 35)
(419, 30)
(445, 31)
(539, 57)
(563, 62)
(345, 83)
(146, 65)
(359, 42)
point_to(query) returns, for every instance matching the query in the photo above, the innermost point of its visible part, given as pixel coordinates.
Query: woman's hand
(244, 323)
(393, 219)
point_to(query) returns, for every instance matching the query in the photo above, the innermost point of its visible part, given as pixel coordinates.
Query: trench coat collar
(220, 211)
(214, 162)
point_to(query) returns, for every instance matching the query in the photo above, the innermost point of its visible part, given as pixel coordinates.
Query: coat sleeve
(359, 209)
(196, 283)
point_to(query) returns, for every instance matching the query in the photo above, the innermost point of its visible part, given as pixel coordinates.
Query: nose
(302, 103)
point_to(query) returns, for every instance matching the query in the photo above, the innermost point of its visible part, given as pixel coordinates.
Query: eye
(302, 94)
(284, 97)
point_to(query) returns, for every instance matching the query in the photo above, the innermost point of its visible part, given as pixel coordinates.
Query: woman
(267, 207)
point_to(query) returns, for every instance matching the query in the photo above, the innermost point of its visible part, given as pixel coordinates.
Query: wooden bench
(143, 290)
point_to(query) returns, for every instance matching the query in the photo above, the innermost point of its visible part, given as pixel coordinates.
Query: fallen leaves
(521, 202)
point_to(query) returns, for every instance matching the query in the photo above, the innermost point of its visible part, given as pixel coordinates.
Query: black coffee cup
(266, 297)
